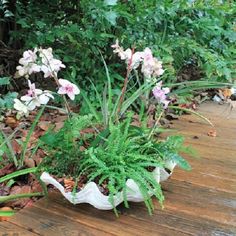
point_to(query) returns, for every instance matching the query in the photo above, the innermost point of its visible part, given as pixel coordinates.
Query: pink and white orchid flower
(68, 88)
(127, 55)
(21, 107)
(36, 97)
(160, 94)
(151, 67)
(39, 60)
(50, 65)
(28, 63)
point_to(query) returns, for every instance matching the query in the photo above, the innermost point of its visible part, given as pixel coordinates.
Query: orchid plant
(43, 61)
(36, 61)
(151, 69)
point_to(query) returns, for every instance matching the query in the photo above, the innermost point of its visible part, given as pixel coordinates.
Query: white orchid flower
(49, 65)
(68, 88)
(20, 106)
(36, 97)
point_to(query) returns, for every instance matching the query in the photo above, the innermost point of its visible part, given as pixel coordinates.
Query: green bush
(200, 33)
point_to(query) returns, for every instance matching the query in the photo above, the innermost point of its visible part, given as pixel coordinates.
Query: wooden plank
(10, 229)
(226, 169)
(212, 109)
(201, 201)
(205, 179)
(44, 222)
(180, 221)
(225, 156)
(191, 121)
(105, 220)
(225, 139)
(162, 222)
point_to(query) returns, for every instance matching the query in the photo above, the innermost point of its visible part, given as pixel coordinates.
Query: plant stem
(193, 112)
(18, 173)
(154, 126)
(12, 153)
(57, 82)
(129, 68)
(43, 185)
(64, 97)
(7, 213)
(17, 196)
(57, 108)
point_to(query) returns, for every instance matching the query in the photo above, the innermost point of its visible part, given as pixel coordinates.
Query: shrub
(185, 33)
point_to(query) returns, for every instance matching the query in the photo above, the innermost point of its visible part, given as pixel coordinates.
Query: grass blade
(29, 135)
(7, 213)
(193, 112)
(17, 196)
(18, 173)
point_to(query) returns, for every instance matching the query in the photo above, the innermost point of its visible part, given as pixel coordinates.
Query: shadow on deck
(200, 202)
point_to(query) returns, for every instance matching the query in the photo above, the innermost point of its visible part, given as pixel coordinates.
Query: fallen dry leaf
(212, 133)
(19, 190)
(58, 126)
(16, 146)
(4, 218)
(38, 157)
(29, 162)
(69, 184)
(7, 169)
(36, 187)
(88, 131)
(44, 125)
(226, 92)
(4, 190)
(11, 121)
(29, 203)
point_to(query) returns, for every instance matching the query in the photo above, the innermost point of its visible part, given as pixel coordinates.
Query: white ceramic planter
(92, 195)
(164, 175)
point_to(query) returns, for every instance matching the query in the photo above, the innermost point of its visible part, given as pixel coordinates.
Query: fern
(116, 154)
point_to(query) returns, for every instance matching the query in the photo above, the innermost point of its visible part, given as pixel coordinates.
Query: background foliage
(197, 33)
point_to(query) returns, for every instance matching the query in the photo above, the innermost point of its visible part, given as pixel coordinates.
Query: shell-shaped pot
(92, 195)
(164, 175)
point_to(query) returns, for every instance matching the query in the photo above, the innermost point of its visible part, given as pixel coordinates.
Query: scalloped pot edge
(92, 195)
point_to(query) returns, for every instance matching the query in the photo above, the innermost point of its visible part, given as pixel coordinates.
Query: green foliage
(4, 81)
(170, 150)
(181, 32)
(194, 33)
(6, 146)
(114, 155)
(18, 173)
(5, 10)
(29, 134)
(64, 146)
(6, 101)
(7, 149)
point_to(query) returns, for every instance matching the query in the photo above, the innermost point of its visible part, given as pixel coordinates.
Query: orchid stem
(155, 125)
(57, 82)
(125, 83)
(67, 107)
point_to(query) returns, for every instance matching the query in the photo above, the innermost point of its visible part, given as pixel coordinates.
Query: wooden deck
(200, 202)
